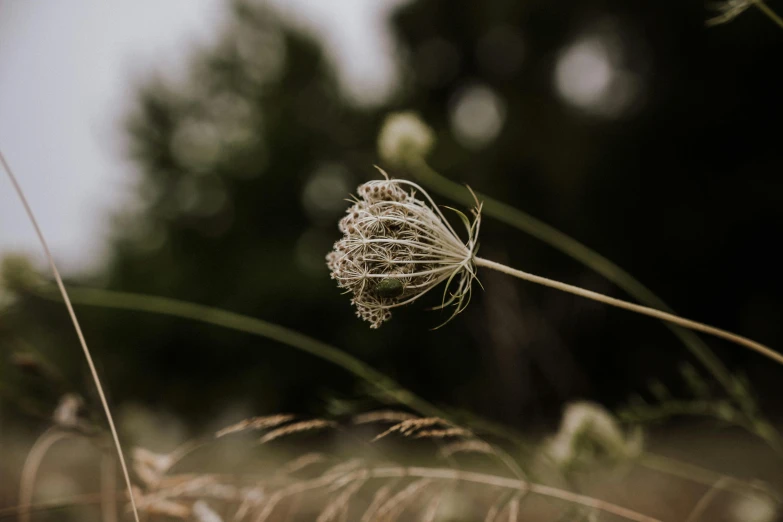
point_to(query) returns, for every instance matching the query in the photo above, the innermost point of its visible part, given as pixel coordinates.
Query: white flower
(754, 508)
(66, 415)
(404, 134)
(586, 427)
(729, 10)
(204, 513)
(396, 248)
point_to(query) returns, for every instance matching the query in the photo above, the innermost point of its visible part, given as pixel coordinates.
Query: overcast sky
(68, 69)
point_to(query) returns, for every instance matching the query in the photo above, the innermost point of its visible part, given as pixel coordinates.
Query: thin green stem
(386, 386)
(87, 499)
(520, 220)
(699, 475)
(643, 310)
(772, 15)
(238, 322)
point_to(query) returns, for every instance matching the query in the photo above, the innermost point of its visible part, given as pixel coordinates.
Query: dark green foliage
(684, 191)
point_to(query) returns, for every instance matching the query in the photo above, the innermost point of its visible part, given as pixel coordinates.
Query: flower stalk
(397, 247)
(639, 309)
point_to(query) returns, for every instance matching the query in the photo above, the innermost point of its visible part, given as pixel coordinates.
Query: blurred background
(202, 150)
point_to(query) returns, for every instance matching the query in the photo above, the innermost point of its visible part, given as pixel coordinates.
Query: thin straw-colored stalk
(772, 15)
(515, 484)
(705, 500)
(77, 327)
(175, 308)
(242, 323)
(643, 310)
(225, 319)
(468, 477)
(397, 472)
(548, 234)
(30, 468)
(571, 247)
(85, 499)
(703, 476)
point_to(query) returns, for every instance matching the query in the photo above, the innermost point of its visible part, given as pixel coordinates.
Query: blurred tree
(245, 171)
(631, 127)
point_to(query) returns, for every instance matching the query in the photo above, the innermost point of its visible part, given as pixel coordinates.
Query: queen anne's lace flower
(397, 247)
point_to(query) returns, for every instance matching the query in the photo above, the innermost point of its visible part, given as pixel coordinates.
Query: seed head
(397, 247)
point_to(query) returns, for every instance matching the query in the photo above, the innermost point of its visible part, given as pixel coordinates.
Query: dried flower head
(397, 247)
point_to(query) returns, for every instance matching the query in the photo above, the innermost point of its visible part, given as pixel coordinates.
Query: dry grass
(409, 468)
(354, 479)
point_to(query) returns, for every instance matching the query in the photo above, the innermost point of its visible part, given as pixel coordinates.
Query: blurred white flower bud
(586, 427)
(754, 508)
(66, 415)
(204, 513)
(404, 134)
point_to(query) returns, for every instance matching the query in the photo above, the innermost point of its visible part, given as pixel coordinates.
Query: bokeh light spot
(477, 116)
(325, 192)
(590, 75)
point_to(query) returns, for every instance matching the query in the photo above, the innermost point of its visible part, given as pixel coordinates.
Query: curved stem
(166, 306)
(706, 477)
(384, 385)
(30, 469)
(84, 499)
(772, 15)
(503, 482)
(644, 310)
(467, 477)
(566, 244)
(705, 500)
(523, 221)
(77, 327)
(511, 484)
(226, 319)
